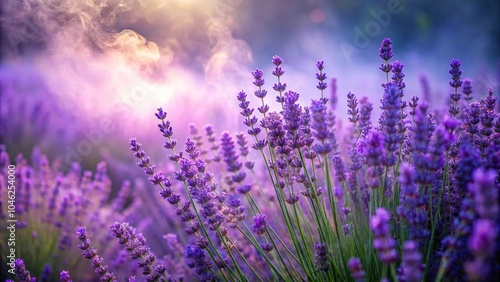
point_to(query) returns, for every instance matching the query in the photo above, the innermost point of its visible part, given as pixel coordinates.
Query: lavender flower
(356, 268)
(333, 94)
(21, 272)
(455, 73)
(338, 164)
(398, 75)
(383, 242)
(158, 178)
(386, 49)
(455, 83)
(373, 151)
(195, 259)
(468, 161)
(46, 272)
(426, 91)
(485, 192)
(411, 204)
(386, 54)
(467, 89)
(411, 265)
(278, 72)
(259, 224)
(247, 112)
(389, 121)
(353, 111)
(242, 142)
(292, 115)
(482, 245)
(64, 276)
(228, 152)
(321, 77)
(320, 128)
(276, 136)
(90, 253)
(365, 111)
(235, 212)
(135, 244)
(483, 237)
(472, 119)
(321, 257)
(420, 138)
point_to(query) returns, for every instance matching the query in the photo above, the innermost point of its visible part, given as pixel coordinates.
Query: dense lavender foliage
(301, 196)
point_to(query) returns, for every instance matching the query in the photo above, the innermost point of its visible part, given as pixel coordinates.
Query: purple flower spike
(383, 242)
(161, 114)
(356, 268)
(482, 242)
(398, 75)
(386, 54)
(389, 121)
(386, 49)
(258, 80)
(90, 253)
(228, 152)
(21, 272)
(195, 259)
(319, 121)
(321, 257)
(467, 89)
(277, 60)
(46, 272)
(259, 224)
(64, 276)
(455, 73)
(135, 244)
(485, 194)
(412, 262)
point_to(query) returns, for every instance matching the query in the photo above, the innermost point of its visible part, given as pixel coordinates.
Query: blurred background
(79, 78)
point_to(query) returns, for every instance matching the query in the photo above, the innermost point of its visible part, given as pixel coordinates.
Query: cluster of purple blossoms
(259, 224)
(278, 72)
(22, 273)
(397, 76)
(320, 129)
(483, 240)
(321, 257)
(356, 268)
(389, 121)
(386, 54)
(195, 259)
(373, 151)
(233, 166)
(135, 244)
(412, 204)
(455, 83)
(292, 115)
(411, 265)
(383, 242)
(365, 111)
(90, 253)
(321, 77)
(251, 121)
(157, 177)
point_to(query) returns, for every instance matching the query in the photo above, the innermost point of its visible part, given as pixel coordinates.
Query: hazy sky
(118, 60)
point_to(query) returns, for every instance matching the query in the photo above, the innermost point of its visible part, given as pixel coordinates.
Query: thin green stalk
(334, 214)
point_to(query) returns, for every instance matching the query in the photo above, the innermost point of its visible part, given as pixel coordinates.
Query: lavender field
(232, 140)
